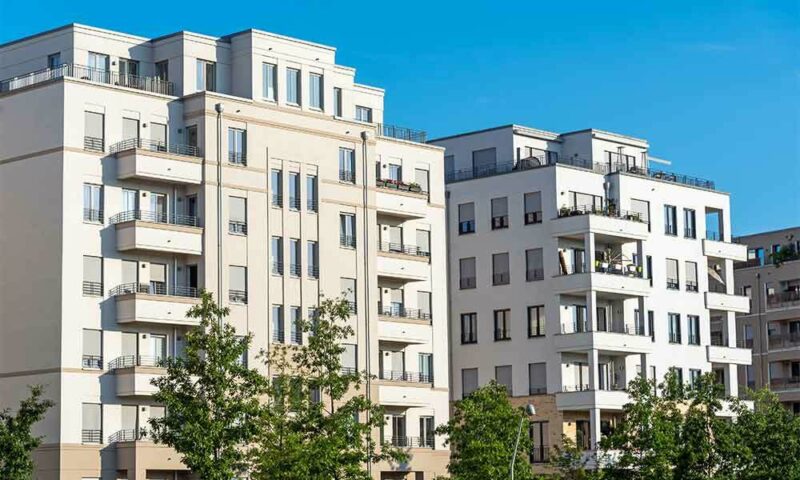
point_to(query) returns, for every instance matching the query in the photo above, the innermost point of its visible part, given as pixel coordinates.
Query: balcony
(414, 442)
(579, 397)
(154, 303)
(403, 395)
(403, 376)
(727, 302)
(782, 384)
(664, 176)
(625, 282)
(400, 203)
(401, 133)
(402, 331)
(400, 187)
(403, 268)
(400, 311)
(716, 248)
(785, 340)
(142, 455)
(152, 160)
(721, 354)
(619, 340)
(575, 221)
(786, 299)
(158, 232)
(404, 250)
(82, 72)
(134, 374)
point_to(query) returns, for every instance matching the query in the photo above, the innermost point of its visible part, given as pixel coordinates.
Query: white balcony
(726, 250)
(727, 302)
(587, 399)
(400, 331)
(140, 230)
(136, 307)
(144, 455)
(604, 341)
(402, 267)
(736, 356)
(401, 204)
(405, 396)
(135, 381)
(625, 226)
(622, 285)
(145, 160)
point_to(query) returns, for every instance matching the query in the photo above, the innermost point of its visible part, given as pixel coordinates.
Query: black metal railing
(348, 176)
(349, 371)
(94, 144)
(237, 227)
(674, 337)
(694, 339)
(294, 203)
(467, 226)
(534, 274)
(277, 200)
(783, 299)
(469, 337)
(717, 339)
(405, 249)
(670, 229)
(540, 454)
(533, 217)
(237, 296)
(296, 337)
(127, 435)
(295, 270)
(277, 268)
(664, 175)
(523, 164)
(689, 233)
(129, 361)
(467, 282)
(401, 311)
(412, 442)
(607, 268)
(348, 241)
(503, 278)
(154, 146)
(278, 335)
(399, 185)
(313, 271)
(155, 288)
(352, 307)
(673, 284)
(92, 215)
(92, 361)
(148, 84)
(237, 158)
(93, 289)
(500, 221)
(403, 376)
(312, 205)
(155, 217)
(502, 334)
(91, 436)
(691, 286)
(402, 133)
(606, 211)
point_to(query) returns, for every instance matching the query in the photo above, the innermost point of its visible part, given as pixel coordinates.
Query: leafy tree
(318, 423)
(482, 432)
(571, 462)
(16, 441)
(211, 397)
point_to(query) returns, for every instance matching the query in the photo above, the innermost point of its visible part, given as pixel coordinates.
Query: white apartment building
(577, 264)
(136, 171)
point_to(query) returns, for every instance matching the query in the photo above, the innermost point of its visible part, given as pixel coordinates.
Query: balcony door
(399, 429)
(158, 135)
(158, 206)
(130, 275)
(158, 278)
(130, 344)
(130, 200)
(130, 422)
(130, 130)
(158, 347)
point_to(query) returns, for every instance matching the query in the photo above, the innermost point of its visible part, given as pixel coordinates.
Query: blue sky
(714, 86)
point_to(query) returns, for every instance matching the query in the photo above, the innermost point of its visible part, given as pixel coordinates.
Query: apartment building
(136, 171)
(770, 277)
(576, 264)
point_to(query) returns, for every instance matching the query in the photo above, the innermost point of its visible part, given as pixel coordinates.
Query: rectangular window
(348, 286)
(363, 114)
(311, 193)
(316, 89)
(469, 328)
(533, 208)
(537, 378)
(295, 267)
(466, 218)
(98, 67)
(500, 272)
(502, 324)
(689, 223)
(395, 172)
(540, 449)
(467, 273)
(536, 323)
(424, 305)
(499, 213)
(691, 277)
(276, 255)
(469, 381)
(238, 288)
(237, 146)
(349, 358)
(293, 86)
(450, 167)
(641, 210)
(92, 203)
(534, 266)
(128, 72)
(92, 276)
(423, 243)
(130, 131)
(206, 76)
(670, 220)
(425, 367)
(278, 332)
(91, 423)
(427, 431)
(347, 230)
(158, 136)
(313, 259)
(673, 281)
(294, 190)
(694, 376)
(337, 102)
(484, 162)
(674, 328)
(54, 60)
(276, 187)
(270, 72)
(237, 224)
(295, 333)
(502, 375)
(162, 70)
(347, 165)
(92, 349)
(694, 329)
(94, 131)
(422, 177)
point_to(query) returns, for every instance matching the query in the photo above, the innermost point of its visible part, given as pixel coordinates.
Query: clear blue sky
(714, 86)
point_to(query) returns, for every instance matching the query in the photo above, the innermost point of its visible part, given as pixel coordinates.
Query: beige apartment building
(772, 327)
(135, 172)
(577, 263)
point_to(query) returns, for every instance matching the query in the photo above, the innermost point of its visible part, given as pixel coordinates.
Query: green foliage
(571, 463)
(785, 253)
(211, 398)
(482, 432)
(327, 434)
(16, 441)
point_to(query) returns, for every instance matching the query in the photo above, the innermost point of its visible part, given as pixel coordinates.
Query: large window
(502, 324)
(500, 272)
(315, 93)
(347, 230)
(536, 323)
(295, 263)
(363, 114)
(694, 329)
(162, 70)
(533, 208)
(540, 448)
(348, 287)
(466, 268)
(293, 86)
(276, 255)
(295, 332)
(92, 203)
(130, 130)
(503, 376)
(278, 331)
(276, 187)
(673, 281)
(469, 328)
(237, 146)
(691, 277)
(206, 76)
(670, 220)
(424, 304)
(466, 218)
(484, 162)
(674, 320)
(534, 266)
(311, 193)
(347, 165)
(270, 72)
(94, 128)
(689, 223)
(91, 423)
(337, 102)
(499, 213)
(92, 276)
(313, 259)
(423, 242)
(469, 381)
(238, 287)
(238, 216)
(294, 190)
(92, 349)
(349, 358)
(537, 378)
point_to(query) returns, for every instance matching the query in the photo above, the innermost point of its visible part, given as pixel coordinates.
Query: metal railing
(664, 175)
(277, 268)
(606, 211)
(784, 383)
(92, 361)
(673, 284)
(154, 146)
(295, 270)
(94, 144)
(129, 361)
(402, 248)
(237, 227)
(348, 176)
(694, 339)
(467, 282)
(689, 232)
(91, 436)
(542, 390)
(670, 229)
(313, 271)
(607, 268)
(278, 335)
(783, 299)
(128, 435)
(349, 371)
(294, 203)
(674, 337)
(352, 307)
(93, 289)
(413, 442)
(575, 388)
(523, 164)
(533, 217)
(277, 200)
(399, 185)
(784, 340)
(348, 241)
(401, 133)
(469, 337)
(237, 296)
(500, 221)
(155, 217)
(403, 376)
(400, 311)
(312, 205)
(540, 454)
(501, 278)
(467, 226)
(92, 215)
(155, 288)
(502, 334)
(71, 70)
(296, 337)
(534, 274)
(237, 158)
(691, 286)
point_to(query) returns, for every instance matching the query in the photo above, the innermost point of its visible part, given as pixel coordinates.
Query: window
(694, 329)
(423, 243)
(424, 305)
(674, 328)
(534, 267)
(311, 193)
(689, 223)
(449, 167)
(295, 268)
(756, 256)
(469, 328)
(130, 131)
(92, 349)
(678, 372)
(536, 323)
(162, 70)
(91, 423)
(502, 324)
(158, 278)
(98, 67)
(500, 272)
(540, 450)
(337, 102)
(206, 75)
(315, 94)
(537, 378)
(363, 114)
(748, 336)
(94, 128)
(469, 381)
(347, 165)
(691, 277)
(191, 137)
(349, 358)
(427, 431)
(270, 72)
(347, 230)
(295, 333)
(348, 286)
(484, 162)
(294, 190)
(421, 176)
(237, 146)
(499, 213)
(673, 281)
(395, 172)
(54, 60)
(276, 187)
(651, 321)
(533, 208)
(92, 276)
(276, 255)
(128, 72)
(502, 375)
(425, 367)
(466, 218)
(293, 86)
(467, 273)
(670, 220)
(313, 259)
(158, 136)
(238, 289)
(92, 203)
(237, 224)
(585, 202)
(278, 333)
(641, 208)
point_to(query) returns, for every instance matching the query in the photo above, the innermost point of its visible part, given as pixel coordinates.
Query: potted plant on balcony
(414, 187)
(611, 210)
(564, 211)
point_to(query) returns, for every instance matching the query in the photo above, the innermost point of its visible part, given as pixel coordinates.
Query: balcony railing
(582, 326)
(785, 383)
(783, 299)
(348, 241)
(413, 442)
(92, 215)
(784, 340)
(94, 144)
(533, 217)
(155, 288)
(500, 221)
(398, 185)
(294, 203)
(534, 274)
(674, 337)
(92, 361)
(608, 268)
(352, 307)
(313, 271)
(278, 335)
(403, 376)
(689, 232)
(237, 227)
(277, 200)
(148, 84)
(296, 337)
(584, 387)
(691, 286)
(402, 133)
(154, 146)
(523, 164)
(400, 311)
(750, 263)
(405, 249)
(237, 158)
(606, 211)
(673, 284)
(540, 454)
(128, 361)
(664, 175)
(347, 176)
(155, 217)
(92, 289)
(277, 268)
(237, 296)
(295, 270)
(127, 435)
(503, 278)
(312, 205)
(91, 436)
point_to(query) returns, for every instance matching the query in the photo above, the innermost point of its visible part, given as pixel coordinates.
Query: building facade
(577, 264)
(138, 171)
(772, 327)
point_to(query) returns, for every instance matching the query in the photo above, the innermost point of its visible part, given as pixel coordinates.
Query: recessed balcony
(575, 221)
(736, 356)
(714, 246)
(143, 159)
(402, 250)
(626, 282)
(134, 374)
(727, 302)
(158, 232)
(154, 303)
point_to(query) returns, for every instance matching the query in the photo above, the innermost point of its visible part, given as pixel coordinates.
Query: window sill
(502, 339)
(348, 247)
(237, 234)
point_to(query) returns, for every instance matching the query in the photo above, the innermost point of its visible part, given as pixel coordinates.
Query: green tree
(318, 423)
(482, 432)
(16, 441)
(211, 397)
